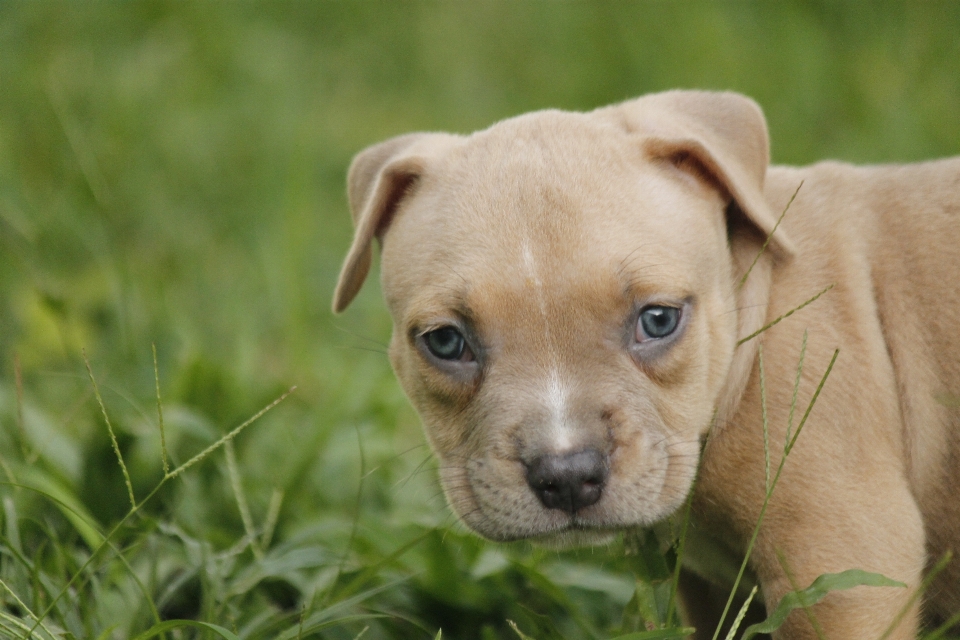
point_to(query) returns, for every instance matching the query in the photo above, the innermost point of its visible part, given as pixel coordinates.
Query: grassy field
(172, 174)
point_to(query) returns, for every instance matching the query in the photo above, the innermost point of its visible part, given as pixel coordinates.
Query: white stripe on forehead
(555, 392)
(556, 398)
(533, 278)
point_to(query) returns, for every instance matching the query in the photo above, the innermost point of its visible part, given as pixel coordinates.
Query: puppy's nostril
(568, 482)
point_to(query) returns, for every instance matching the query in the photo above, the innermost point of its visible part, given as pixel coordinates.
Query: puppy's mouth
(578, 499)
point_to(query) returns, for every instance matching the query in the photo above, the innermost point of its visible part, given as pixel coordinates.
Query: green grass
(173, 174)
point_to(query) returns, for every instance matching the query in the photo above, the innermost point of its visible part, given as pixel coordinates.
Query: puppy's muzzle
(569, 482)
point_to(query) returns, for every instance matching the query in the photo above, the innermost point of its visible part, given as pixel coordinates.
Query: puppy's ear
(718, 137)
(380, 177)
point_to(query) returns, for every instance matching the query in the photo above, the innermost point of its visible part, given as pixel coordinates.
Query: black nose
(569, 482)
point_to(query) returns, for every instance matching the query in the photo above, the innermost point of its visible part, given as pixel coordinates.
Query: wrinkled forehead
(551, 200)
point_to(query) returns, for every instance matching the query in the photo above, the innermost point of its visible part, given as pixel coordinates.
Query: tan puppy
(565, 290)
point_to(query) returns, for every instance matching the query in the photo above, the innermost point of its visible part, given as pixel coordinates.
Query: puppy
(570, 309)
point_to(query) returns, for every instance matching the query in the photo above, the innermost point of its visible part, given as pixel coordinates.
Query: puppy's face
(564, 321)
(561, 305)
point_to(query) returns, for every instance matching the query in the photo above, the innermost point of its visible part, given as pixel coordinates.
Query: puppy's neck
(752, 300)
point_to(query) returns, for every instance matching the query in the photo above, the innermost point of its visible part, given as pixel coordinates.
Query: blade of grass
(21, 426)
(113, 437)
(769, 493)
(163, 438)
(12, 522)
(273, 514)
(783, 317)
(78, 141)
(73, 509)
(743, 280)
(806, 414)
(241, 499)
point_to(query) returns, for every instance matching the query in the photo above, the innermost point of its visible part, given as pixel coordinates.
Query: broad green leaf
(815, 593)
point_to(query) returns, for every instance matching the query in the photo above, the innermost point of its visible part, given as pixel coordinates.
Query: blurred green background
(172, 173)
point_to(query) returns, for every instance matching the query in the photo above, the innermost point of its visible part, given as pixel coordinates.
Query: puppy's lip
(576, 536)
(575, 525)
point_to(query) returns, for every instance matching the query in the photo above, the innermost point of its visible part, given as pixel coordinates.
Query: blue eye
(657, 322)
(447, 343)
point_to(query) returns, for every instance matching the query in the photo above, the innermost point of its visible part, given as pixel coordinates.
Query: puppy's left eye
(447, 343)
(657, 322)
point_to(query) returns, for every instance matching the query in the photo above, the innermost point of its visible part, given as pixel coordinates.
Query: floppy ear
(720, 137)
(380, 177)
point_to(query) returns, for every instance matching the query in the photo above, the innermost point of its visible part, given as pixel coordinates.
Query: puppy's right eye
(657, 322)
(447, 343)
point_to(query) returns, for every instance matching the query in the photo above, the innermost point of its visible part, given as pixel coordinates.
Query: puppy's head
(564, 295)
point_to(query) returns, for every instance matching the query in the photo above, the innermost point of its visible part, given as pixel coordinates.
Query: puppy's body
(567, 298)
(880, 459)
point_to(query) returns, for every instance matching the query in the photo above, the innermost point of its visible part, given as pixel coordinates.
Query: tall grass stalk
(164, 457)
(113, 436)
(769, 237)
(242, 505)
(796, 386)
(741, 614)
(273, 515)
(784, 316)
